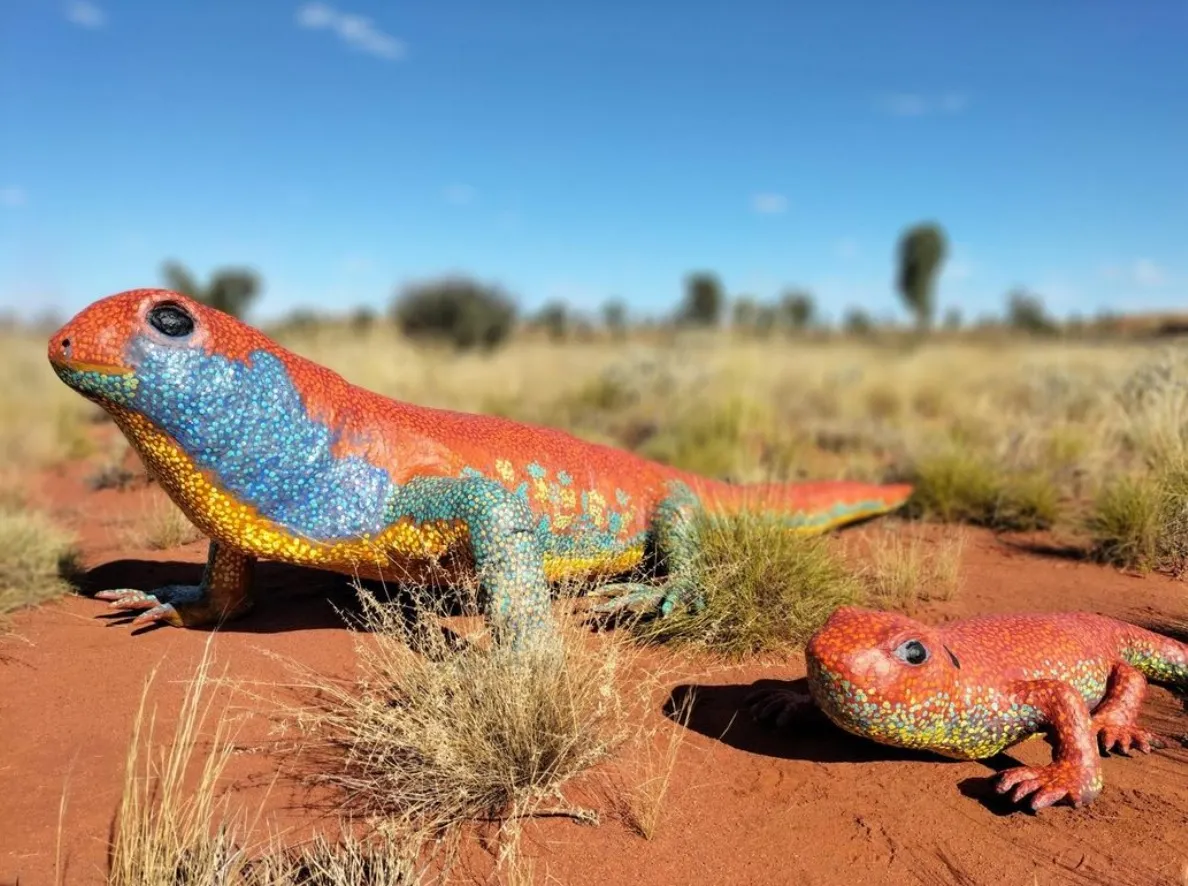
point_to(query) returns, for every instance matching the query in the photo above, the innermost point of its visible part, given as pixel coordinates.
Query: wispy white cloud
(769, 204)
(459, 194)
(12, 197)
(915, 104)
(356, 31)
(85, 14)
(1146, 273)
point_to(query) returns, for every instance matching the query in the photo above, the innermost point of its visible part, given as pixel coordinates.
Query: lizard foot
(1048, 784)
(778, 707)
(1124, 739)
(178, 605)
(635, 596)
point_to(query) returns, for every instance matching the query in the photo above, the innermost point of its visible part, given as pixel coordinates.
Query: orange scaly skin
(975, 687)
(274, 456)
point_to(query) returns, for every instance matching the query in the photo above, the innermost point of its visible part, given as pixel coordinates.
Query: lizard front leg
(224, 594)
(674, 540)
(1075, 770)
(1115, 719)
(508, 555)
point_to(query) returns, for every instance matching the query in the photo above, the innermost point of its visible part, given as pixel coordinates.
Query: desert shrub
(960, 485)
(457, 310)
(765, 590)
(433, 736)
(38, 560)
(1140, 521)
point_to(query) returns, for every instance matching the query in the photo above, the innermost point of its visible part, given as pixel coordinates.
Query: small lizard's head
(882, 675)
(144, 350)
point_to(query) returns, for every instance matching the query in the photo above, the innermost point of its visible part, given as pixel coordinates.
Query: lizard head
(147, 351)
(883, 675)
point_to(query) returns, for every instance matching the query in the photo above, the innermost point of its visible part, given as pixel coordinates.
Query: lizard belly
(402, 545)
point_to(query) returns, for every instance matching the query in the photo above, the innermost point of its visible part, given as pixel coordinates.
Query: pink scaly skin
(972, 688)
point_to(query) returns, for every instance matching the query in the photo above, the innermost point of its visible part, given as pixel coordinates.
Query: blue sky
(582, 151)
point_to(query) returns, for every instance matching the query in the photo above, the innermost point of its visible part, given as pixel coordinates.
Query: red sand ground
(745, 805)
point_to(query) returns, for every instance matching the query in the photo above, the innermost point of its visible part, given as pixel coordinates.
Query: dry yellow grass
(902, 570)
(38, 559)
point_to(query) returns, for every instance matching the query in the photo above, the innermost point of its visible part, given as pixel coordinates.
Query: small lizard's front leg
(1115, 719)
(224, 594)
(1075, 770)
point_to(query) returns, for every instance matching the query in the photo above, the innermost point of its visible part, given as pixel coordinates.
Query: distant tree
(952, 319)
(858, 321)
(922, 251)
(743, 312)
(554, 319)
(363, 318)
(1026, 313)
(231, 290)
(703, 300)
(798, 308)
(455, 309)
(766, 319)
(614, 317)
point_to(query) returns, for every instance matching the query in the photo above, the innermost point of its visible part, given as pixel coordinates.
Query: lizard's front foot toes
(1048, 784)
(156, 607)
(777, 707)
(1124, 739)
(681, 593)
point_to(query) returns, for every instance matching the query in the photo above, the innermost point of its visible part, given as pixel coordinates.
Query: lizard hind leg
(1115, 720)
(673, 538)
(225, 593)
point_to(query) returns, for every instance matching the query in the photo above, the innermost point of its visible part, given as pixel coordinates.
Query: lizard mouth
(80, 366)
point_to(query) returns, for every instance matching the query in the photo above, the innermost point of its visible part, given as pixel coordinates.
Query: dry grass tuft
(175, 828)
(766, 589)
(171, 830)
(902, 571)
(38, 559)
(643, 805)
(1140, 521)
(439, 737)
(164, 526)
(961, 485)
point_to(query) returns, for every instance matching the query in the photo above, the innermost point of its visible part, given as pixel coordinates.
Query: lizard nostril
(66, 347)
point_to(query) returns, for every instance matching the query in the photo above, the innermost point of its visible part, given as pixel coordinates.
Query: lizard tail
(1160, 659)
(809, 507)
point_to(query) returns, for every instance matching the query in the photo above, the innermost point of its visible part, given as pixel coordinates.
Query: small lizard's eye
(171, 319)
(912, 651)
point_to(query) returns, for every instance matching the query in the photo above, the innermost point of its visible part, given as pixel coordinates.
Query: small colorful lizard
(975, 687)
(274, 456)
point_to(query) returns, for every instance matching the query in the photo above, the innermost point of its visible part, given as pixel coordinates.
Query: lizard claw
(1124, 739)
(155, 607)
(1047, 785)
(777, 707)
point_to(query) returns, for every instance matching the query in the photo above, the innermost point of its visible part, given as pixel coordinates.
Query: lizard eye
(171, 319)
(912, 651)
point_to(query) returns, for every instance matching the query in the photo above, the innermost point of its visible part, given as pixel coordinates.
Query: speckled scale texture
(274, 456)
(983, 684)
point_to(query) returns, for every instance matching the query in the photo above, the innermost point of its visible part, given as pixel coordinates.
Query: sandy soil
(746, 805)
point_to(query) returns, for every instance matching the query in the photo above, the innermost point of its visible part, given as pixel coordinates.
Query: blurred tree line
(466, 313)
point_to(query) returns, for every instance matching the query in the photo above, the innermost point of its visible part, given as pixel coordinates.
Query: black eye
(172, 320)
(912, 651)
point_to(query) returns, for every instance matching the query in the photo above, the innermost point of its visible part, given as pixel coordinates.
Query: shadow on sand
(720, 712)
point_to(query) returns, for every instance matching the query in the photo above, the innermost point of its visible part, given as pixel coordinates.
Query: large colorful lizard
(975, 687)
(274, 456)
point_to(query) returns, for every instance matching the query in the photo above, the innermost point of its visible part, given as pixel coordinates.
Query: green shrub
(463, 312)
